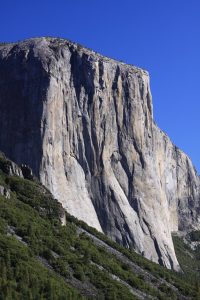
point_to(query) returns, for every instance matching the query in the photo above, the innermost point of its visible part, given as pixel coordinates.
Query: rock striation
(84, 124)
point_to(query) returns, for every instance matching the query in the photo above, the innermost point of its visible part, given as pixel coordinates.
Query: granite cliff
(84, 124)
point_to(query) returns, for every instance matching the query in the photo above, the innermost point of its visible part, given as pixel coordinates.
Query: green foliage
(189, 261)
(194, 236)
(22, 277)
(41, 259)
(179, 280)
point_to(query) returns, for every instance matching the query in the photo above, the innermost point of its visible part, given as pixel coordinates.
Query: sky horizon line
(160, 38)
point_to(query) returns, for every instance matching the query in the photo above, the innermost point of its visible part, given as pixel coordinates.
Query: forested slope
(42, 259)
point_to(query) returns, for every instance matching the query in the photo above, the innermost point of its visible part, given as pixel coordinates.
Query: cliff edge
(84, 124)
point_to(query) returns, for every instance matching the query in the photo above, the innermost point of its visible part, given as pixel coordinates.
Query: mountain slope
(41, 259)
(84, 124)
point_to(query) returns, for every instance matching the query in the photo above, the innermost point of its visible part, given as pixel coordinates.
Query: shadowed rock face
(84, 124)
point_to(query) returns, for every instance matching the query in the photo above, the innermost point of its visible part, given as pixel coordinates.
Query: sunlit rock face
(84, 124)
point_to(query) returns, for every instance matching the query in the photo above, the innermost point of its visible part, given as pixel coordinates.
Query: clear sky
(162, 36)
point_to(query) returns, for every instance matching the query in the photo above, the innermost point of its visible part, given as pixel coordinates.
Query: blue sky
(162, 36)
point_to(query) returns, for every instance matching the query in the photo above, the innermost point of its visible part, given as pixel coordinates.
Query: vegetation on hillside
(189, 257)
(41, 259)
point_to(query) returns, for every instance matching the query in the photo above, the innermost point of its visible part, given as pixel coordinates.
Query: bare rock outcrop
(84, 124)
(9, 167)
(4, 192)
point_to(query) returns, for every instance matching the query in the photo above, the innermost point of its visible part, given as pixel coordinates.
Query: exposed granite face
(9, 167)
(84, 124)
(4, 192)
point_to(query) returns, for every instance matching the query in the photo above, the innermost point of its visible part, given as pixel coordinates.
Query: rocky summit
(84, 124)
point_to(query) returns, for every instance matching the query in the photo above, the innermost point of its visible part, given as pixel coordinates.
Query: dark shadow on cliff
(23, 87)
